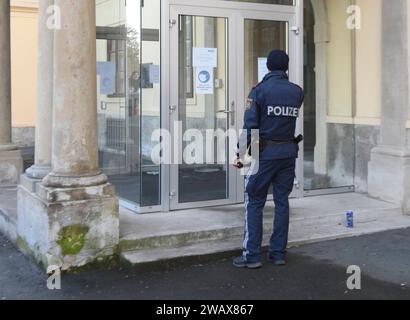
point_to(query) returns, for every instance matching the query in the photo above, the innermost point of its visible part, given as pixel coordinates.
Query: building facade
(121, 83)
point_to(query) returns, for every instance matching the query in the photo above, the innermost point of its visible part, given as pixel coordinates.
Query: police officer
(273, 108)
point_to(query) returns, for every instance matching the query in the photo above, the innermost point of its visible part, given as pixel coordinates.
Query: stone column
(389, 167)
(72, 217)
(75, 134)
(42, 162)
(321, 161)
(11, 164)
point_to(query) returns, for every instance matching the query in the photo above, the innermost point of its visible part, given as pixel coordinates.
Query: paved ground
(314, 272)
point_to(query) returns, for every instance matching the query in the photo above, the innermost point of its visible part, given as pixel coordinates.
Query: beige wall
(339, 57)
(362, 104)
(368, 64)
(24, 62)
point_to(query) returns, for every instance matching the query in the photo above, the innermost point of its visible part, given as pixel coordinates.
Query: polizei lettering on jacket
(282, 111)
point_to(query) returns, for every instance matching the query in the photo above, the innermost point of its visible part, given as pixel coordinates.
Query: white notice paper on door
(205, 57)
(262, 68)
(204, 80)
(154, 73)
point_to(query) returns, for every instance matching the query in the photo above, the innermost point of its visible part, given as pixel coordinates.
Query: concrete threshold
(172, 236)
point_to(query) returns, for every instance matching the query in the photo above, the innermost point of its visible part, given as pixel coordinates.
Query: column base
(38, 172)
(11, 166)
(389, 175)
(8, 147)
(68, 228)
(58, 181)
(29, 183)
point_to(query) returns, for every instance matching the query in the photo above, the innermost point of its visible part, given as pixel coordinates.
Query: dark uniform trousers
(281, 175)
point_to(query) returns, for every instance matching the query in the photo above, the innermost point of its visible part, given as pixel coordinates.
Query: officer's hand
(238, 164)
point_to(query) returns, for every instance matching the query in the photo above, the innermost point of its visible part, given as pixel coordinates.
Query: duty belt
(266, 143)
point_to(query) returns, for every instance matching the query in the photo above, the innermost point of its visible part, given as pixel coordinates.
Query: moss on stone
(72, 239)
(111, 262)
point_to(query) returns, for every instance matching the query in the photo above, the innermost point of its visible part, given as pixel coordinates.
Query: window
(116, 54)
(129, 97)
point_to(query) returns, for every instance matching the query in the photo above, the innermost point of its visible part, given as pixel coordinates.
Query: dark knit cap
(278, 60)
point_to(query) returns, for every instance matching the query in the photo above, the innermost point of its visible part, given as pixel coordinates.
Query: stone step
(217, 249)
(176, 238)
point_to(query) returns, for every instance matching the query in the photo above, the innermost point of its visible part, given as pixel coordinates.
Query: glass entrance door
(216, 56)
(263, 31)
(203, 110)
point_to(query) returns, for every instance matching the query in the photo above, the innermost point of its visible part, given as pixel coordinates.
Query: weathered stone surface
(44, 118)
(389, 167)
(70, 233)
(30, 184)
(11, 166)
(366, 138)
(23, 136)
(389, 176)
(341, 153)
(5, 72)
(75, 134)
(75, 194)
(70, 219)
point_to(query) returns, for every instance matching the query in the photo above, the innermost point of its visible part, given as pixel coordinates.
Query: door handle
(230, 112)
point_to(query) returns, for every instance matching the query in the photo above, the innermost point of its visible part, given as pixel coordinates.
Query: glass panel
(328, 113)
(281, 2)
(203, 91)
(150, 110)
(112, 101)
(128, 67)
(261, 37)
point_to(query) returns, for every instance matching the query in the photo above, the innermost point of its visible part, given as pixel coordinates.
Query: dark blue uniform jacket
(273, 107)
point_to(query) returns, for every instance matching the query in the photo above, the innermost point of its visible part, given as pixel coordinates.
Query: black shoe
(240, 262)
(279, 262)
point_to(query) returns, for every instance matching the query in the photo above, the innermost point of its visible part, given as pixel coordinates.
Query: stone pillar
(389, 167)
(72, 217)
(75, 134)
(11, 163)
(42, 162)
(321, 159)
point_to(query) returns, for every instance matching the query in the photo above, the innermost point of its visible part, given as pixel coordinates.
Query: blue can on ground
(349, 219)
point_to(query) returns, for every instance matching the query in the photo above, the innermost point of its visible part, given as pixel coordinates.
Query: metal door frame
(175, 12)
(236, 12)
